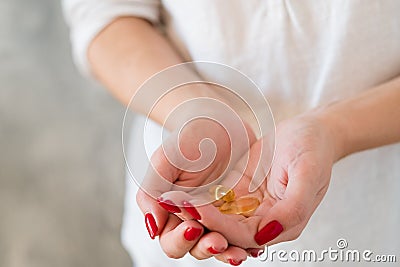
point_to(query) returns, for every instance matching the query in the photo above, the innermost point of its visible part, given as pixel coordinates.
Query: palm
(197, 155)
(291, 191)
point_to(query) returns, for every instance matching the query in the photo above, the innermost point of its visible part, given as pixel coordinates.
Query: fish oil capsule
(220, 192)
(228, 208)
(245, 206)
(229, 196)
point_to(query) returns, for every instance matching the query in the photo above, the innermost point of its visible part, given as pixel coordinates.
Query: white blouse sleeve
(86, 18)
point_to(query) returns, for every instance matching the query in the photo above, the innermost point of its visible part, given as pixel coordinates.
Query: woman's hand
(178, 232)
(299, 178)
(306, 148)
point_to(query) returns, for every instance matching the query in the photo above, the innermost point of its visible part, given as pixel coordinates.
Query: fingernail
(214, 251)
(192, 233)
(234, 263)
(255, 254)
(151, 225)
(191, 210)
(168, 205)
(268, 232)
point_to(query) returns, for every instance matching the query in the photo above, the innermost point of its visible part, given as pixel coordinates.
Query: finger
(209, 245)
(287, 217)
(157, 180)
(180, 204)
(237, 229)
(233, 256)
(213, 219)
(255, 252)
(178, 237)
(154, 215)
(160, 175)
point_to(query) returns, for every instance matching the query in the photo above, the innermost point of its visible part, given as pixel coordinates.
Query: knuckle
(159, 158)
(173, 254)
(196, 256)
(173, 248)
(157, 155)
(139, 196)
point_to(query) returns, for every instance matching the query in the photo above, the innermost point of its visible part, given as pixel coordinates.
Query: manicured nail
(191, 210)
(151, 225)
(214, 251)
(192, 233)
(234, 263)
(268, 232)
(256, 253)
(168, 205)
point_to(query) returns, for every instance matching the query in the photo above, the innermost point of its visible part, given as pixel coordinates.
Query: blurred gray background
(61, 164)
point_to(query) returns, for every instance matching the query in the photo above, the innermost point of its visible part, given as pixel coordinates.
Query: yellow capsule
(229, 196)
(220, 192)
(245, 206)
(228, 208)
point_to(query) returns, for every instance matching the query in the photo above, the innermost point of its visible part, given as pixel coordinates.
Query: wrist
(335, 129)
(365, 121)
(199, 100)
(181, 104)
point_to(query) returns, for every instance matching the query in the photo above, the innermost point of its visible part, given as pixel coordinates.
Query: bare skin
(130, 50)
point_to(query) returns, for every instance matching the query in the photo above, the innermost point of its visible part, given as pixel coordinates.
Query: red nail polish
(191, 210)
(255, 254)
(168, 205)
(192, 233)
(213, 250)
(234, 263)
(151, 225)
(268, 232)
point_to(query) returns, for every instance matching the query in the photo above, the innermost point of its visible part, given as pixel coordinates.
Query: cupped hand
(297, 182)
(180, 162)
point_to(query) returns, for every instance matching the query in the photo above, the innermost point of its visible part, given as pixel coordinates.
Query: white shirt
(301, 54)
